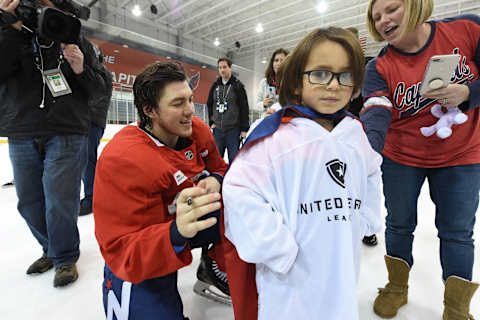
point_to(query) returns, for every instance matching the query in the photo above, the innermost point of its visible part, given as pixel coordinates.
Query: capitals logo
(408, 100)
(194, 81)
(336, 169)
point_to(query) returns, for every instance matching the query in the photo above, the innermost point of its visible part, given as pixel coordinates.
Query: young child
(304, 191)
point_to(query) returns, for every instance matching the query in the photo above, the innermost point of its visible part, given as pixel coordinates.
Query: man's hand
(211, 184)
(74, 56)
(202, 203)
(10, 6)
(243, 135)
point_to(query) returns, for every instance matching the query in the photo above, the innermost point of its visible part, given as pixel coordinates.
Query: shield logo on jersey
(189, 155)
(336, 169)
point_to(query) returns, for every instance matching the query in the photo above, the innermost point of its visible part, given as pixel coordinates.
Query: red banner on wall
(126, 63)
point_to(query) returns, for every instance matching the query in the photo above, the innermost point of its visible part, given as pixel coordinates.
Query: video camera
(51, 23)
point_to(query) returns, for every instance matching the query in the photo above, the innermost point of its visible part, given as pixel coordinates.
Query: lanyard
(224, 94)
(37, 55)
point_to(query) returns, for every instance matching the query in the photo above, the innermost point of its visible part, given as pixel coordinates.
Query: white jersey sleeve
(371, 210)
(252, 221)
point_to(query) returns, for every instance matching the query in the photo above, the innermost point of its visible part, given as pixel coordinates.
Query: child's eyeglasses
(324, 77)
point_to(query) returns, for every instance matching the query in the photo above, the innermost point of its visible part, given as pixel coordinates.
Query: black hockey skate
(212, 283)
(370, 240)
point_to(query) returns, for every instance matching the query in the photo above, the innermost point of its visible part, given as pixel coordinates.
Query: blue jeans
(88, 175)
(229, 139)
(454, 191)
(47, 174)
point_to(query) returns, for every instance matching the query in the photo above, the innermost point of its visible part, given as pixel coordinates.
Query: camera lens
(55, 24)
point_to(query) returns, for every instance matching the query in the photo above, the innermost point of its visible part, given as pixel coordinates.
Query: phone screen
(271, 92)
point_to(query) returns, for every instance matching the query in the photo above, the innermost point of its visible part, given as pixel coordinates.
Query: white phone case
(439, 71)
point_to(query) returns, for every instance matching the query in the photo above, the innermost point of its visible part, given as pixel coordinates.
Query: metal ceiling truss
(232, 21)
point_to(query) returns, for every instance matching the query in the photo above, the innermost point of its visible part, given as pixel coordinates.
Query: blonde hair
(292, 68)
(416, 13)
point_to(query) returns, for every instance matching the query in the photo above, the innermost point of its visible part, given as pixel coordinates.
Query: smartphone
(271, 92)
(439, 71)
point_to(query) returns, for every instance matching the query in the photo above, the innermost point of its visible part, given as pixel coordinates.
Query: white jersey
(297, 204)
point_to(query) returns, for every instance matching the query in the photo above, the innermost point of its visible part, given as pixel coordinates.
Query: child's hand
(192, 204)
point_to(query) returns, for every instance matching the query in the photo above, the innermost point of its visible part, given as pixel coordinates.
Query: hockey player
(156, 196)
(303, 191)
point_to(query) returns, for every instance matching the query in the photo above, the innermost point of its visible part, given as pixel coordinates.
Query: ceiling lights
(322, 6)
(216, 43)
(136, 11)
(259, 28)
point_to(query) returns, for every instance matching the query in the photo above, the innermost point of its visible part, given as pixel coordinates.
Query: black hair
(227, 60)
(149, 84)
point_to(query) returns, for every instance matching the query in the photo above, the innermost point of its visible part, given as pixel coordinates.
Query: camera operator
(44, 89)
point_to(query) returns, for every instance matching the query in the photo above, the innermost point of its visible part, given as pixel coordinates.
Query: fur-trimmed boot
(395, 293)
(458, 294)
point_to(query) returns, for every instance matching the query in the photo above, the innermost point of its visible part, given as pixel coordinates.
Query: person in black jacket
(228, 110)
(44, 92)
(99, 104)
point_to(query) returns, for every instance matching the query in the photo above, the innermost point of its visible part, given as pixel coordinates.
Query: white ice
(34, 297)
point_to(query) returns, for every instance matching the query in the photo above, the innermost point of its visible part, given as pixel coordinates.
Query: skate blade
(210, 292)
(8, 185)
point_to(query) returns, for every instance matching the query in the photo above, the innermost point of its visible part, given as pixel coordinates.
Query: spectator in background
(99, 103)
(267, 96)
(356, 106)
(47, 129)
(393, 114)
(228, 110)
(267, 93)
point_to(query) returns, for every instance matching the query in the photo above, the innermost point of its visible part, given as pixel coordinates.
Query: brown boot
(65, 274)
(458, 293)
(395, 293)
(40, 265)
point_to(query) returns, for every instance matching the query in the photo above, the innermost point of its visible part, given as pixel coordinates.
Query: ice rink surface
(34, 297)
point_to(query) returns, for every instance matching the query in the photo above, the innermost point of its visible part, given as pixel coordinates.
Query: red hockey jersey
(137, 181)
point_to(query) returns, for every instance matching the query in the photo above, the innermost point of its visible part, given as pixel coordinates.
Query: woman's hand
(192, 204)
(450, 96)
(267, 102)
(269, 112)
